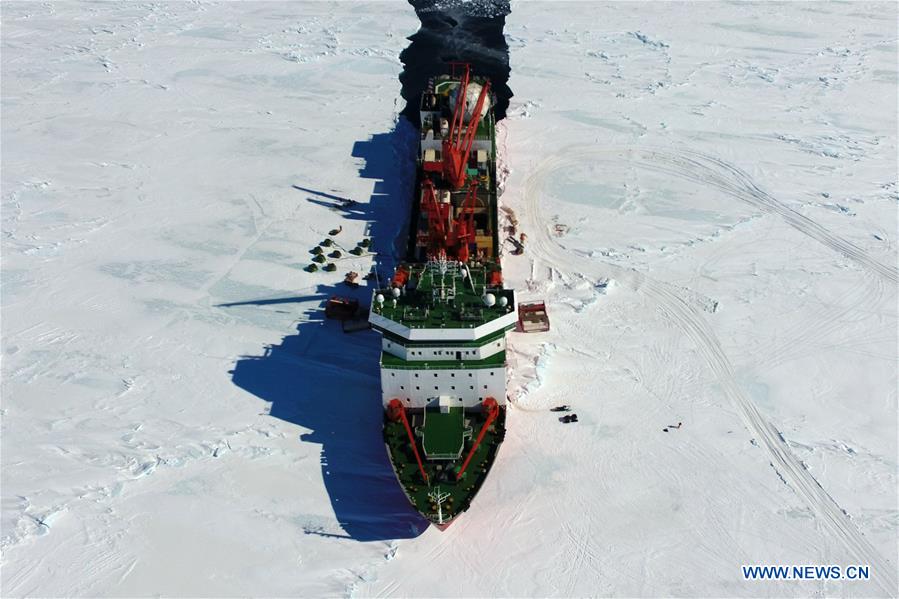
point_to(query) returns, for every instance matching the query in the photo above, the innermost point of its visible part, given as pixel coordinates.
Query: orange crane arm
(492, 412)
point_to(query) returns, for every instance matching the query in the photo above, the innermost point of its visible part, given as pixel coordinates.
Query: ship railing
(416, 365)
(444, 456)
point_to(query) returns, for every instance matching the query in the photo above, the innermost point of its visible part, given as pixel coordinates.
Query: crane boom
(457, 145)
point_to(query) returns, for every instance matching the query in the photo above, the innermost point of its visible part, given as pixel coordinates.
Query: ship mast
(437, 497)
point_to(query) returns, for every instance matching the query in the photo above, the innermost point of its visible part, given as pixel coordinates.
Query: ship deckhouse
(444, 335)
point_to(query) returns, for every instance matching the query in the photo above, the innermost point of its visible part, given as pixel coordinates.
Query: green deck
(418, 310)
(441, 473)
(443, 435)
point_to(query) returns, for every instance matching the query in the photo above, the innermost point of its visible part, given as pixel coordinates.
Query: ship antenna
(437, 497)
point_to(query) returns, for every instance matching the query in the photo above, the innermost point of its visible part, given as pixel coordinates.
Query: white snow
(709, 193)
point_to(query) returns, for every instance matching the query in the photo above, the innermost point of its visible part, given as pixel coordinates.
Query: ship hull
(445, 312)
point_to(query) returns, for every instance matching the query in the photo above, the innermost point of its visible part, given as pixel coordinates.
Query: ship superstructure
(445, 314)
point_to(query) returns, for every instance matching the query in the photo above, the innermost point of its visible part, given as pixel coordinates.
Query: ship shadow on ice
(328, 382)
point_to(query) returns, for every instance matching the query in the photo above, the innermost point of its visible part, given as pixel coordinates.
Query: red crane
(464, 225)
(438, 216)
(444, 235)
(457, 145)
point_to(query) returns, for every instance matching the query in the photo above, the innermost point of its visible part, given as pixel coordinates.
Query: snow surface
(709, 193)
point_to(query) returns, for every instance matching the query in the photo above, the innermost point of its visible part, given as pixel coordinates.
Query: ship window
(485, 386)
(417, 388)
(392, 374)
(492, 373)
(408, 400)
(472, 387)
(469, 374)
(435, 375)
(401, 387)
(435, 387)
(416, 375)
(453, 387)
(453, 374)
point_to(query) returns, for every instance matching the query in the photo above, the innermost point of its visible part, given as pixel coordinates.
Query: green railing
(390, 361)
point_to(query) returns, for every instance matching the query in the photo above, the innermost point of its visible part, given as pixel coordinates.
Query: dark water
(469, 32)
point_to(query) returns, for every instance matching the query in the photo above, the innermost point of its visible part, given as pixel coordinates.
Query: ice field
(709, 192)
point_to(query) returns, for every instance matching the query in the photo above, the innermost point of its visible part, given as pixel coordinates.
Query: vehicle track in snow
(716, 173)
(711, 171)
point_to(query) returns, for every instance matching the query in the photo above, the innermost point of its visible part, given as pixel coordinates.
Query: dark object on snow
(519, 247)
(327, 243)
(330, 267)
(351, 279)
(319, 258)
(564, 408)
(568, 418)
(336, 231)
(317, 250)
(341, 308)
(312, 267)
(335, 254)
(357, 251)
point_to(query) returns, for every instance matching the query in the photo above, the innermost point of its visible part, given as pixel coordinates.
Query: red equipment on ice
(532, 317)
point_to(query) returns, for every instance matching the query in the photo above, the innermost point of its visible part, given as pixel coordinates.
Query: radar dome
(489, 300)
(395, 291)
(379, 298)
(503, 301)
